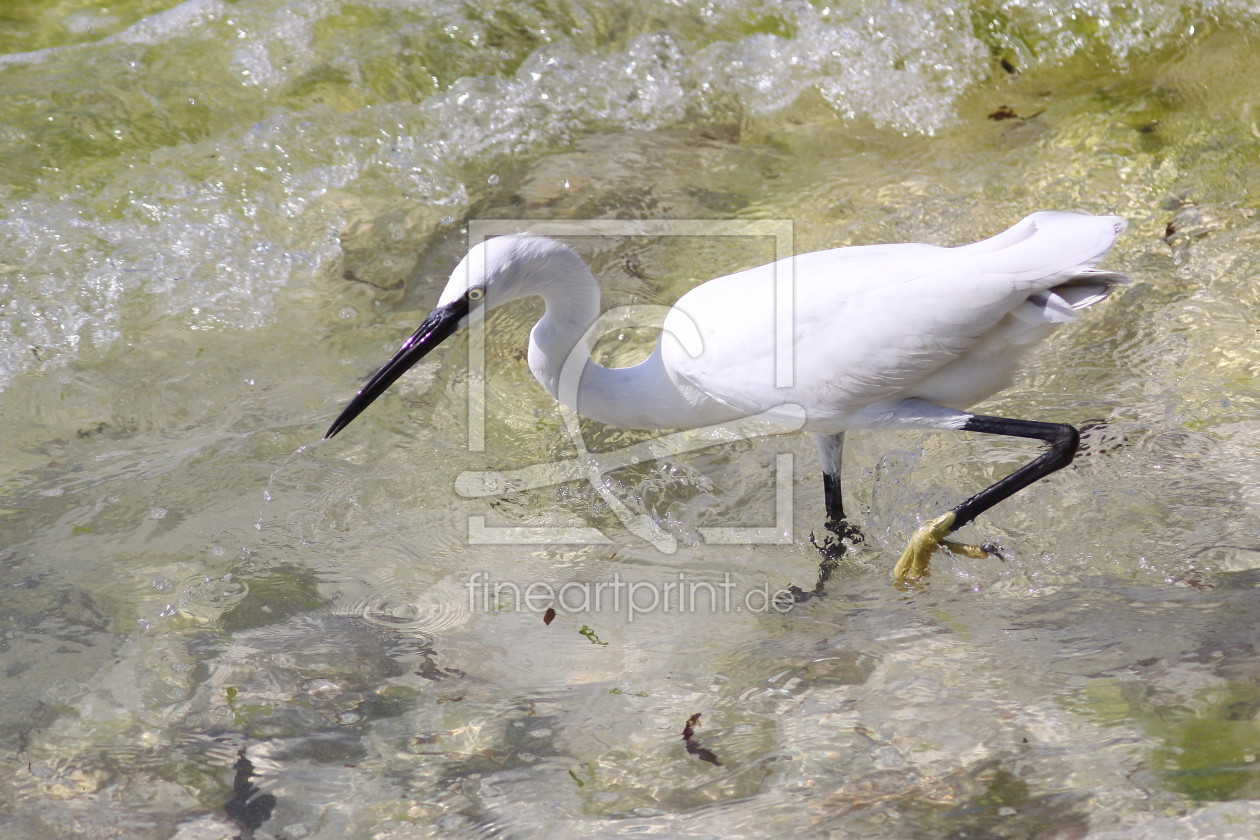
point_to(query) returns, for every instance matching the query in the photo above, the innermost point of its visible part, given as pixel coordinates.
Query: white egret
(882, 337)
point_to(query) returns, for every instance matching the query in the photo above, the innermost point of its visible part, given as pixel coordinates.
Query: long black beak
(439, 326)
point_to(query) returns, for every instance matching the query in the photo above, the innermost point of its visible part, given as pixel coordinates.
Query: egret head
(494, 272)
(505, 268)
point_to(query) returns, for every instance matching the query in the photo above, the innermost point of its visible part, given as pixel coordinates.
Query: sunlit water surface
(216, 218)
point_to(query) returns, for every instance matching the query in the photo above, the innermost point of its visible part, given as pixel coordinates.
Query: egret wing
(869, 323)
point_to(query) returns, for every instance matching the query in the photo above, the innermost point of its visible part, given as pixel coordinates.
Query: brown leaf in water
(693, 747)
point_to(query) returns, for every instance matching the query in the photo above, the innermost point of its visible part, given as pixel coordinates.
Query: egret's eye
(476, 293)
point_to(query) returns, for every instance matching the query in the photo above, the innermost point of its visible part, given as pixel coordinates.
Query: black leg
(1063, 441)
(830, 448)
(831, 497)
(832, 547)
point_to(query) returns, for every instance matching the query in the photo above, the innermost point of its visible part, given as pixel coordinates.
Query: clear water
(216, 218)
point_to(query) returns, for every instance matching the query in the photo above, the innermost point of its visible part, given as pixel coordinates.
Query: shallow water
(217, 218)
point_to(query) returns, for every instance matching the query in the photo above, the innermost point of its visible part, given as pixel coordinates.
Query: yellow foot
(931, 536)
(914, 560)
(975, 552)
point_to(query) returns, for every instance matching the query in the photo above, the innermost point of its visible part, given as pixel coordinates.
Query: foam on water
(222, 151)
